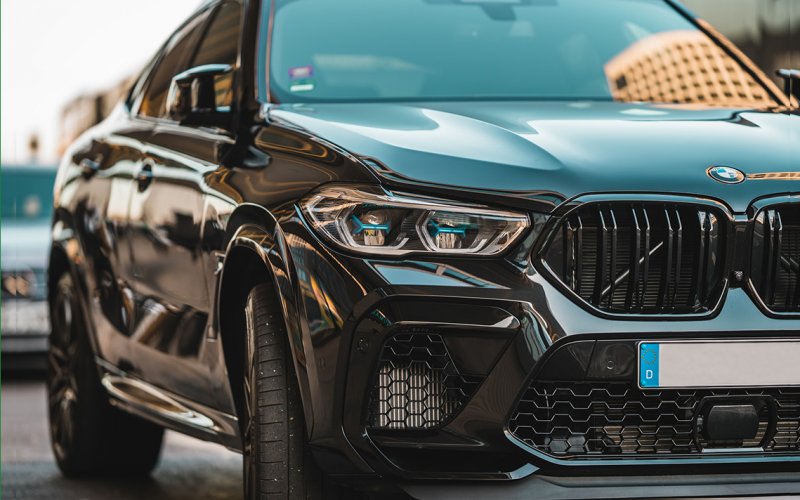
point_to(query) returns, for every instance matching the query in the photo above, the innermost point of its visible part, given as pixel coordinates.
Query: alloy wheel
(62, 384)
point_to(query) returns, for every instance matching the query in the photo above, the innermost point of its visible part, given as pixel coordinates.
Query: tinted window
(220, 45)
(175, 60)
(624, 50)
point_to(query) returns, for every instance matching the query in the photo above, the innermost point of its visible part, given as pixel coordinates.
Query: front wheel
(277, 459)
(89, 437)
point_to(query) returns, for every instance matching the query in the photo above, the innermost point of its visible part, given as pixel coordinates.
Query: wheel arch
(256, 252)
(66, 255)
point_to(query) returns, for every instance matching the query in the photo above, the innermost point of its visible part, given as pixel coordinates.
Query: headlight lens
(381, 223)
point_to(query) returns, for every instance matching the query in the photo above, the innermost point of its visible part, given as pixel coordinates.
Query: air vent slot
(641, 257)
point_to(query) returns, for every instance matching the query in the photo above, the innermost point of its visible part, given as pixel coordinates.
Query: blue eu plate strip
(648, 365)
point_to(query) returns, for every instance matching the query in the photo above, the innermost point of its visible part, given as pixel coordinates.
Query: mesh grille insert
(417, 385)
(614, 420)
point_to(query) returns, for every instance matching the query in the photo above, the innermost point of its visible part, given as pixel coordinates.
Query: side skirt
(169, 410)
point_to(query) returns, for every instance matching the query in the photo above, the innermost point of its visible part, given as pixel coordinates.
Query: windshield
(27, 193)
(622, 50)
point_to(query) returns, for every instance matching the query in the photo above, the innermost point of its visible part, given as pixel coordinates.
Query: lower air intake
(618, 420)
(417, 385)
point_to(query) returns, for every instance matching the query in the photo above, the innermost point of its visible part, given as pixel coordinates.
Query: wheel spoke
(57, 391)
(62, 418)
(55, 363)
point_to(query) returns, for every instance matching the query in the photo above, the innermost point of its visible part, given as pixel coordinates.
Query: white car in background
(27, 205)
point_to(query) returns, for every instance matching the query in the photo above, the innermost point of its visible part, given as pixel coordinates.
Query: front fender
(257, 235)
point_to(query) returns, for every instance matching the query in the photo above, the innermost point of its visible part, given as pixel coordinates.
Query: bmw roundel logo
(726, 175)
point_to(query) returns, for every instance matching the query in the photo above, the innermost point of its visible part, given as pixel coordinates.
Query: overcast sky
(53, 50)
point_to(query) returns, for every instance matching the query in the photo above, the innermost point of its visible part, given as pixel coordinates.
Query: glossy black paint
(173, 223)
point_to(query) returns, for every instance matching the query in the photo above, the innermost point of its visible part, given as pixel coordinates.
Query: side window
(175, 59)
(138, 86)
(220, 45)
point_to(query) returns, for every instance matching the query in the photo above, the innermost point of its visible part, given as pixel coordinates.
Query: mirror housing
(791, 81)
(202, 96)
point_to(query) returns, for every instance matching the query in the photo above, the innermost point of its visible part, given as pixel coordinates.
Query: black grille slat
(778, 244)
(569, 254)
(769, 240)
(701, 261)
(796, 265)
(640, 257)
(635, 260)
(668, 273)
(678, 254)
(646, 260)
(775, 272)
(617, 419)
(600, 281)
(579, 249)
(613, 273)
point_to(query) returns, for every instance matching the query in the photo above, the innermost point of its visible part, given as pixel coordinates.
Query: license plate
(22, 317)
(712, 364)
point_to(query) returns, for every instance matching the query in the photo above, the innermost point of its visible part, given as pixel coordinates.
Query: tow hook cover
(731, 423)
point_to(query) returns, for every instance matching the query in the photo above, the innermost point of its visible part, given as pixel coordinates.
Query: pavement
(189, 468)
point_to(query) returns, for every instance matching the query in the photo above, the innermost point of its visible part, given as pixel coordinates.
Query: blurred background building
(87, 110)
(683, 67)
(53, 51)
(768, 31)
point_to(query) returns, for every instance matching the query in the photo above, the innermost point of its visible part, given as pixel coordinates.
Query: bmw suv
(441, 248)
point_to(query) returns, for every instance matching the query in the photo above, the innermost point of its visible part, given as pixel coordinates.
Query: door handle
(89, 167)
(144, 176)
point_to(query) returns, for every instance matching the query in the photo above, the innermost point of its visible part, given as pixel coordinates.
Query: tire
(277, 459)
(89, 437)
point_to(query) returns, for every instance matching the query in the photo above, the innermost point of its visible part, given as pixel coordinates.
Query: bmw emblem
(726, 175)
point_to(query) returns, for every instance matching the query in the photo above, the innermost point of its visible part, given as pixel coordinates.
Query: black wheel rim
(62, 384)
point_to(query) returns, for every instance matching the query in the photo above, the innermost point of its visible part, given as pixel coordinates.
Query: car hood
(569, 148)
(25, 245)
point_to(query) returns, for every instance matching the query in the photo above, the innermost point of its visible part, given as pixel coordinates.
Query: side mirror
(791, 81)
(202, 96)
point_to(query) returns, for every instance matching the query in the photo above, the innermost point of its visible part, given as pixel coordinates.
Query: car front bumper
(352, 307)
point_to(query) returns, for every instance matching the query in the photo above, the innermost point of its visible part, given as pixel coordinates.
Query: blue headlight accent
(462, 229)
(360, 226)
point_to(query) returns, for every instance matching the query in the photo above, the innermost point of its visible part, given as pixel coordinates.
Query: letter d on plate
(648, 365)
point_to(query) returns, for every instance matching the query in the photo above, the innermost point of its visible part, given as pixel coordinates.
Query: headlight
(380, 223)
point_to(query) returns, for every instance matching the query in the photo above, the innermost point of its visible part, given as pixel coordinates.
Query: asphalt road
(189, 469)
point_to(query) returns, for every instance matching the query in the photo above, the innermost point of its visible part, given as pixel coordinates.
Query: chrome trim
(774, 176)
(148, 398)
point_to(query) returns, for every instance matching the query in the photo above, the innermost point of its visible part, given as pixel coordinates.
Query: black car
(451, 248)
(27, 205)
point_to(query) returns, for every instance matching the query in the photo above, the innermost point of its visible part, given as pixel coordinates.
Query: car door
(172, 293)
(97, 196)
